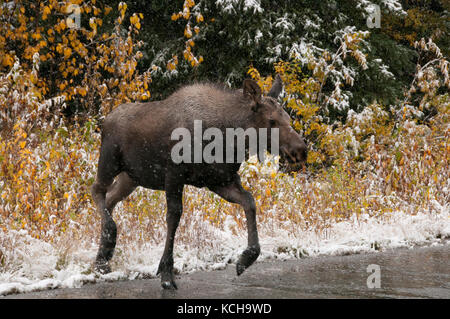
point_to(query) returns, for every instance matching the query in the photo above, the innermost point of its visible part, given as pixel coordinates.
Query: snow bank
(37, 265)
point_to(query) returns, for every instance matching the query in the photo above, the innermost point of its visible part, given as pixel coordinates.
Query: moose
(136, 148)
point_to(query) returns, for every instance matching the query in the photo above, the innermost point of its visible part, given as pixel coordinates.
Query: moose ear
(277, 86)
(252, 89)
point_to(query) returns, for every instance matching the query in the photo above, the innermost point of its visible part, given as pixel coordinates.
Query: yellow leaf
(33, 78)
(46, 12)
(22, 144)
(62, 24)
(187, 32)
(67, 52)
(92, 23)
(7, 60)
(82, 91)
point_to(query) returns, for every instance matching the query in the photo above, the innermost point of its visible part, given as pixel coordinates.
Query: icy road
(400, 273)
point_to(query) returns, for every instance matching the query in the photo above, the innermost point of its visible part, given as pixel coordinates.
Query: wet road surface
(404, 273)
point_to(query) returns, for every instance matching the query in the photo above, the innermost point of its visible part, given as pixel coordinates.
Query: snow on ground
(37, 265)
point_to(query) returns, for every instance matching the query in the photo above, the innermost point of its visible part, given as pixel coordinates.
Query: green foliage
(264, 33)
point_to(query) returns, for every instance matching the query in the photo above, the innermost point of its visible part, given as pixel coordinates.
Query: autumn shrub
(92, 64)
(377, 161)
(47, 163)
(45, 173)
(193, 18)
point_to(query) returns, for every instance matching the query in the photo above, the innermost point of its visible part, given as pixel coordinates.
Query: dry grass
(45, 192)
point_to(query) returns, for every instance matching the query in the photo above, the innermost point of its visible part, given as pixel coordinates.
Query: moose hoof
(239, 269)
(102, 267)
(247, 258)
(169, 284)
(167, 277)
(168, 281)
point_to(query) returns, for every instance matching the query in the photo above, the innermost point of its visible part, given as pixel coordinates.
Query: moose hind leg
(235, 193)
(107, 170)
(108, 230)
(122, 187)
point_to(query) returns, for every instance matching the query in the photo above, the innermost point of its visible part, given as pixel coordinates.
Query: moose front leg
(235, 193)
(174, 198)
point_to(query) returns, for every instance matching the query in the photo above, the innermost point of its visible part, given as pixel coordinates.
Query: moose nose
(296, 154)
(300, 154)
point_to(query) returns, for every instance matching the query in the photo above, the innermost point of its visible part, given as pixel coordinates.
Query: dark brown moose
(136, 151)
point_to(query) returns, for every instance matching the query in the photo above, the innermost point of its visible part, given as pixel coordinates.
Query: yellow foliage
(7, 60)
(79, 54)
(188, 55)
